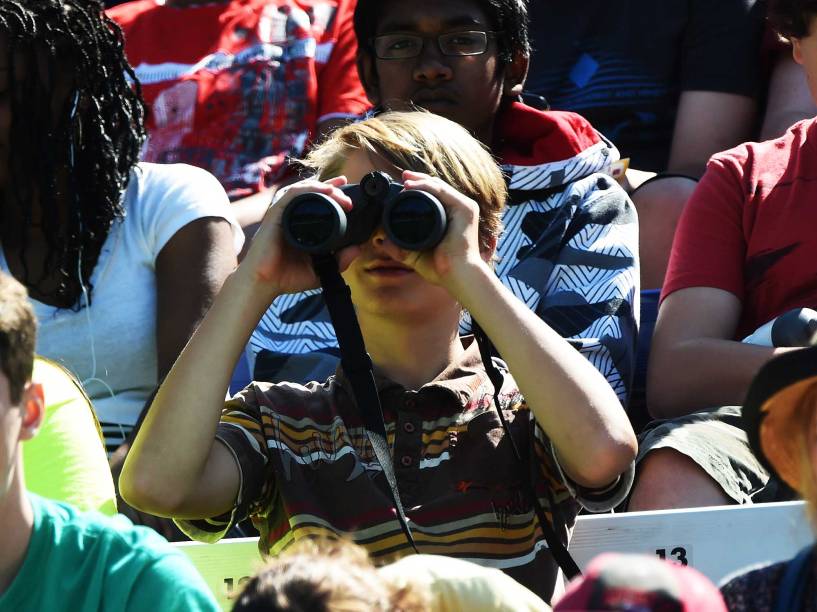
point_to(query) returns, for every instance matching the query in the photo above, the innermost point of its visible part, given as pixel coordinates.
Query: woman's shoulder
(163, 198)
(158, 179)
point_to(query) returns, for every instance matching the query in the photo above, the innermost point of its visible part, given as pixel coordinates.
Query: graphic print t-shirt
(623, 65)
(238, 87)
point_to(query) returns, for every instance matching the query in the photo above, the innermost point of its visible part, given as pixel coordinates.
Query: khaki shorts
(716, 441)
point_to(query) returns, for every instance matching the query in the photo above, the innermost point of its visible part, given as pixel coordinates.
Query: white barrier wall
(716, 541)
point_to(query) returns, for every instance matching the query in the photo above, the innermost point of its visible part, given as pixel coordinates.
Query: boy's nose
(380, 245)
(432, 65)
(378, 236)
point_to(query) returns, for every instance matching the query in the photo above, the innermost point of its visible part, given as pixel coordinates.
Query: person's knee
(659, 203)
(668, 479)
(655, 472)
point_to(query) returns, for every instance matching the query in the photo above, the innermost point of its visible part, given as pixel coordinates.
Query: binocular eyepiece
(413, 220)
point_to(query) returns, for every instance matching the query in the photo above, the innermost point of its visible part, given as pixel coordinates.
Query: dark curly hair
(77, 126)
(507, 16)
(791, 18)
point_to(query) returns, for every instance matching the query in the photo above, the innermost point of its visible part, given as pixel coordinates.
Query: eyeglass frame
(489, 35)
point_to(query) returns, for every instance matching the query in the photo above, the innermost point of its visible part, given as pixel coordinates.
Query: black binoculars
(413, 220)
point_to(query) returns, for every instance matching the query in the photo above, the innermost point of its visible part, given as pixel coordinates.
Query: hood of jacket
(548, 149)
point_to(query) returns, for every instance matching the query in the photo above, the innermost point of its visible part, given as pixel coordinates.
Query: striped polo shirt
(308, 469)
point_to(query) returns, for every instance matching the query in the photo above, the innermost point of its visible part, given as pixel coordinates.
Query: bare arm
(570, 399)
(694, 363)
(176, 467)
(190, 270)
(708, 122)
(789, 98)
(250, 210)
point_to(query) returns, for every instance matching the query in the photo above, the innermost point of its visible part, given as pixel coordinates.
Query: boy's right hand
(273, 264)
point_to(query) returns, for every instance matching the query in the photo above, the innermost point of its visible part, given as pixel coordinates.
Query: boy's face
(18, 421)
(381, 286)
(10, 424)
(465, 89)
(805, 53)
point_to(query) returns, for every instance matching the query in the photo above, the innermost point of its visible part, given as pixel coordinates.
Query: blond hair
(18, 335)
(422, 142)
(322, 575)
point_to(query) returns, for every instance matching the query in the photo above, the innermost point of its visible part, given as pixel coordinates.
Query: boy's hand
(459, 252)
(273, 263)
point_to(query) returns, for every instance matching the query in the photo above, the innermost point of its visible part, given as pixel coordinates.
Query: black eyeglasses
(406, 46)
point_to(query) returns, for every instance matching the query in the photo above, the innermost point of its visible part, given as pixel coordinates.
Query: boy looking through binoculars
(569, 244)
(296, 458)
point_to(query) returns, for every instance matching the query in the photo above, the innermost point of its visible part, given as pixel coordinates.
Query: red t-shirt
(237, 87)
(750, 228)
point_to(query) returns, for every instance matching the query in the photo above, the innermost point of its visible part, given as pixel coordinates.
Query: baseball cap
(640, 583)
(770, 411)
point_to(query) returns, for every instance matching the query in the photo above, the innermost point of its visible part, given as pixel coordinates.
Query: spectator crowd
(463, 270)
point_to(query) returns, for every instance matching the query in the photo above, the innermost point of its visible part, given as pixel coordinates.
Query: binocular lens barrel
(314, 223)
(415, 221)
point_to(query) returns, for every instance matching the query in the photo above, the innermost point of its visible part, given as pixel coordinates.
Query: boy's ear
(516, 72)
(367, 73)
(797, 51)
(33, 407)
(488, 253)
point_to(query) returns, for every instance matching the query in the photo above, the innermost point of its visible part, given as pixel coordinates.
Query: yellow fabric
(455, 584)
(66, 460)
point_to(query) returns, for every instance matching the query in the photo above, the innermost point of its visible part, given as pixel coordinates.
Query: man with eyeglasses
(570, 244)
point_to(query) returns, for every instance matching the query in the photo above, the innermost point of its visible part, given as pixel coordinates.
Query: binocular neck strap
(557, 548)
(357, 365)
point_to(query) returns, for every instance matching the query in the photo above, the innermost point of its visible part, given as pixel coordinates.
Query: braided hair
(77, 126)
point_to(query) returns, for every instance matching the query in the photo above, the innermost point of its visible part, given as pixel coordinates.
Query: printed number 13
(677, 554)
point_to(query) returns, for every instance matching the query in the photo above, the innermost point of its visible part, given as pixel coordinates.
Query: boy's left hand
(459, 250)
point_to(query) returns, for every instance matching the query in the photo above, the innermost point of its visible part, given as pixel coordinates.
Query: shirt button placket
(409, 450)
(408, 447)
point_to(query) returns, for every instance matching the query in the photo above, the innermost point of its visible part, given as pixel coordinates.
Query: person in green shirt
(66, 461)
(54, 557)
